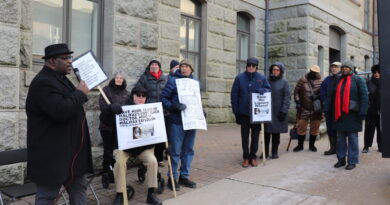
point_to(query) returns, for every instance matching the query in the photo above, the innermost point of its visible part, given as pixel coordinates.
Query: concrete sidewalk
(303, 178)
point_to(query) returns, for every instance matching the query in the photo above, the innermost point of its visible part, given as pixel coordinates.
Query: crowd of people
(59, 147)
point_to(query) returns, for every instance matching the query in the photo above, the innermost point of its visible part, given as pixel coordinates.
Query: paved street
(304, 178)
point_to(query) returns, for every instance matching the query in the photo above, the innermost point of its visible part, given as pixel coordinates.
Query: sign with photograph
(261, 109)
(90, 70)
(140, 125)
(189, 94)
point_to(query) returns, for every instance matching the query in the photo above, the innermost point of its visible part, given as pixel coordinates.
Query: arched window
(367, 64)
(337, 44)
(190, 26)
(243, 37)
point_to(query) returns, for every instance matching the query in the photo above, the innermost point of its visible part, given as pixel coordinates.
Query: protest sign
(90, 70)
(140, 125)
(189, 94)
(261, 110)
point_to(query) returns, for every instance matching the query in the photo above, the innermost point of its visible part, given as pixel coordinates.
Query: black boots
(301, 139)
(186, 182)
(332, 150)
(312, 140)
(274, 151)
(152, 198)
(177, 186)
(340, 163)
(118, 199)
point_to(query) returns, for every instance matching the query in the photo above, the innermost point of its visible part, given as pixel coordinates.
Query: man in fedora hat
(58, 144)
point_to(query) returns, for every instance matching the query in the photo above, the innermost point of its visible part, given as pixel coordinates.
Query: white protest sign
(89, 69)
(189, 94)
(261, 110)
(140, 125)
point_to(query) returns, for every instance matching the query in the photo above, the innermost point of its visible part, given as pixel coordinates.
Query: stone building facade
(216, 35)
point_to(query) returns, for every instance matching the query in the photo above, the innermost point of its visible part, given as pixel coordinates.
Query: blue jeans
(182, 149)
(352, 146)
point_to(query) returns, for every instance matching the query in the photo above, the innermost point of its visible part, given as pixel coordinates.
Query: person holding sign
(181, 141)
(306, 94)
(280, 92)
(154, 81)
(244, 85)
(117, 94)
(145, 154)
(58, 143)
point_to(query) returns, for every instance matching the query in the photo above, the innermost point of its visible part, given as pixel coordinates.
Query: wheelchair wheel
(141, 174)
(130, 192)
(105, 181)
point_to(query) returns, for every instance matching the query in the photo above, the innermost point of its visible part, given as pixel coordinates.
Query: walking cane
(170, 171)
(263, 143)
(124, 188)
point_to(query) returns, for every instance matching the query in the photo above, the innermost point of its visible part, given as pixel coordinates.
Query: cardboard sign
(261, 109)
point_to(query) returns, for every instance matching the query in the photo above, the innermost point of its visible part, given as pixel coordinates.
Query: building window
(367, 63)
(366, 25)
(75, 22)
(243, 35)
(190, 24)
(320, 59)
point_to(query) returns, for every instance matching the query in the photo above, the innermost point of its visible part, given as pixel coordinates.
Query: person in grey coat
(280, 94)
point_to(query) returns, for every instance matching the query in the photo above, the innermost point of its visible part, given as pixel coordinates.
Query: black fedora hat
(56, 49)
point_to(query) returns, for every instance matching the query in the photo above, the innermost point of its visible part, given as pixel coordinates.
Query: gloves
(298, 105)
(282, 116)
(204, 114)
(238, 120)
(168, 150)
(262, 91)
(116, 108)
(178, 107)
(313, 97)
(362, 117)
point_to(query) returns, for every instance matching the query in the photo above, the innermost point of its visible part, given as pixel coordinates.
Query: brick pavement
(217, 155)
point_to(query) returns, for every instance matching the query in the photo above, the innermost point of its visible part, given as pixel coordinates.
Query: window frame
(238, 50)
(185, 52)
(67, 29)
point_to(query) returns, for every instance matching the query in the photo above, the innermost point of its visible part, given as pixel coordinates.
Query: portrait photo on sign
(143, 131)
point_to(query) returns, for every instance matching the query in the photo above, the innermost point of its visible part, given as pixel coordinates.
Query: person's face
(251, 68)
(62, 64)
(185, 70)
(139, 98)
(118, 80)
(275, 71)
(376, 74)
(346, 70)
(334, 69)
(154, 68)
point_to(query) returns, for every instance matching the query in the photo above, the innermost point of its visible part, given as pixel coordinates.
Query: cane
(124, 189)
(170, 172)
(263, 143)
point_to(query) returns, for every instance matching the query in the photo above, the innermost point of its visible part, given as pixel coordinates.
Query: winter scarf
(346, 94)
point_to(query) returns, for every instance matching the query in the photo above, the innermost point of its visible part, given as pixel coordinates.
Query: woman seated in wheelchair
(145, 154)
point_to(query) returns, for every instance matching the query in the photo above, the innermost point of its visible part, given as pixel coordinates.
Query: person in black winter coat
(138, 95)
(373, 117)
(154, 82)
(117, 95)
(281, 97)
(58, 143)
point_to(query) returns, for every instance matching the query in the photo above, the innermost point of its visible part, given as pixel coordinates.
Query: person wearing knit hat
(306, 94)
(348, 101)
(328, 81)
(173, 66)
(373, 118)
(153, 80)
(181, 141)
(248, 82)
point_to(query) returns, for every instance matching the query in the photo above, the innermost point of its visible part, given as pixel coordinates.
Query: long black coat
(56, 126)
(281, 97)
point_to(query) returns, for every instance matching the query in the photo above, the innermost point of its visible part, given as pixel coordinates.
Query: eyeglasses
(251, 65)
(65, 58)
(140, 95)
